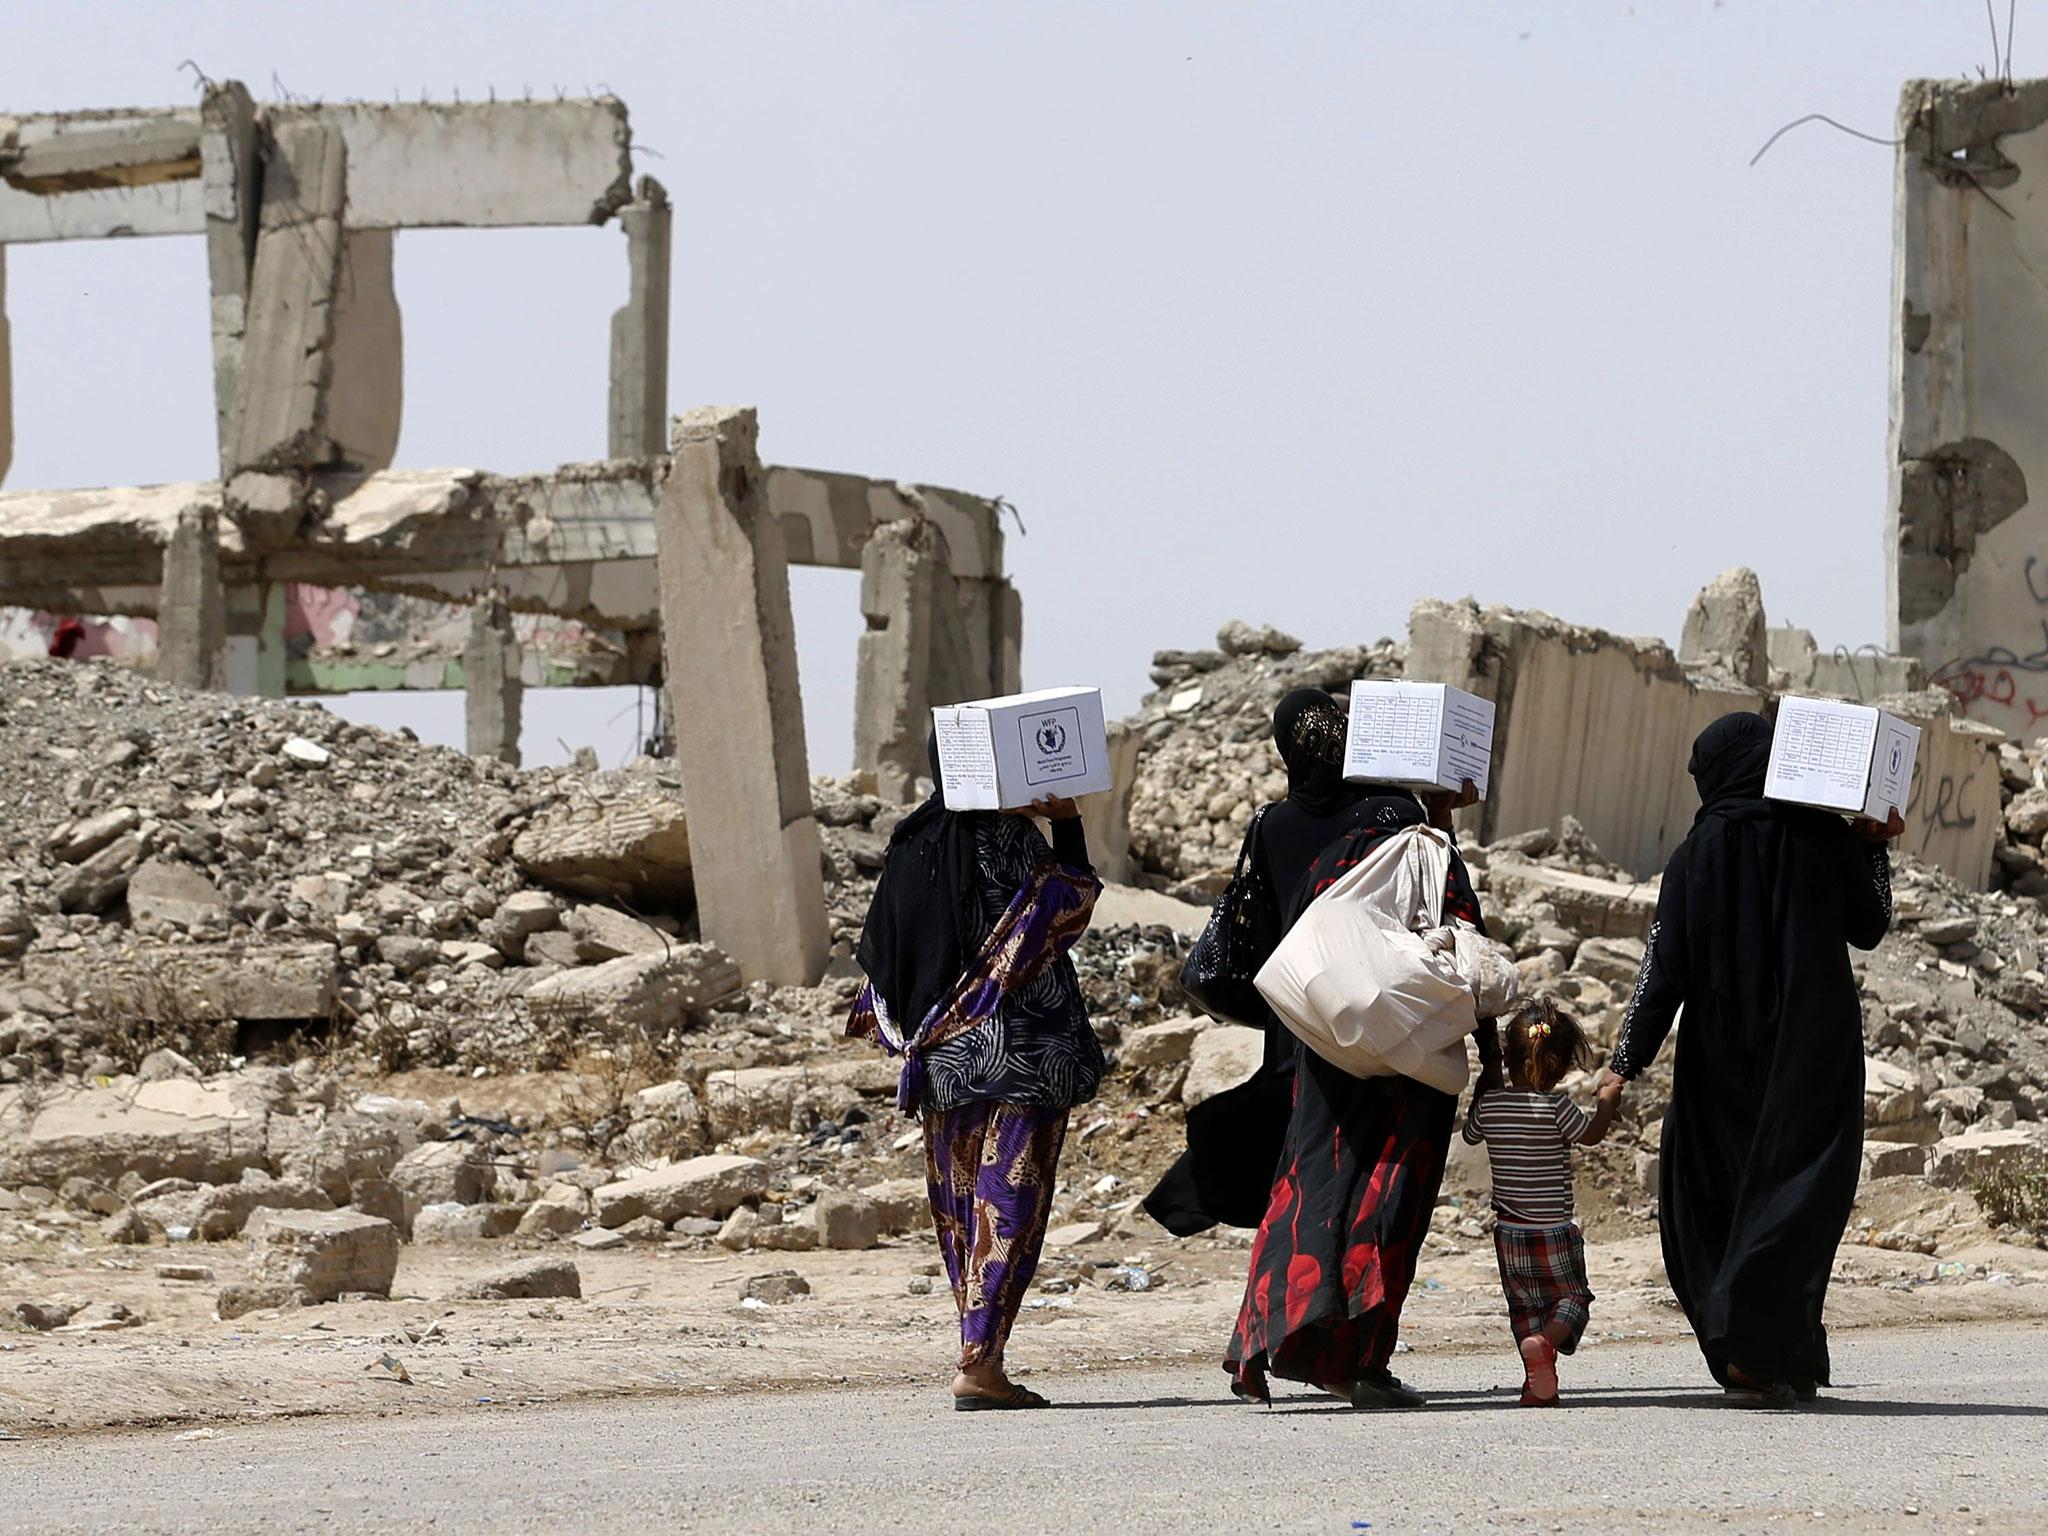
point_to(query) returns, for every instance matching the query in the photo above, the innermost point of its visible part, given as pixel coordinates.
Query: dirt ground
(669, 1319)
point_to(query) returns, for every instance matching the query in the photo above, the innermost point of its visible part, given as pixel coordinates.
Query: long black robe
(1763, 1140)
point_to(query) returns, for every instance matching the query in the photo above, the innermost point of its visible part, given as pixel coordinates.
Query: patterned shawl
(1041, 923)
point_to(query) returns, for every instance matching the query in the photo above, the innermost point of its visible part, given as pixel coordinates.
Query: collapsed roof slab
(483, 165)
(159, 197)
(578, 542)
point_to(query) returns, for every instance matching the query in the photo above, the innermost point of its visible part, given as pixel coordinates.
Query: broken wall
(1968, 589)
(1600, 727)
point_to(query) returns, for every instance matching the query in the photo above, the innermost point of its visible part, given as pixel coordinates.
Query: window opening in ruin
(112, 378)
(507, 345)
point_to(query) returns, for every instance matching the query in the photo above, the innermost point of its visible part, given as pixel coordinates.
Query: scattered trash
(394, 1365)
(920, 1285)
(753, 1304)
(1126, 1277)
(198, 1434)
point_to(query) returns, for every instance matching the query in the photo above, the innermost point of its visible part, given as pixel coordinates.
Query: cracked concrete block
(288, 345)
(1725, 628)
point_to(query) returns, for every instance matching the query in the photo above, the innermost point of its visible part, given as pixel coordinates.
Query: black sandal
(1016, 1397)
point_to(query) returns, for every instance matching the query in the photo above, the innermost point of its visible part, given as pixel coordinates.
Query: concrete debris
(323, 1254)
(527, 1280)
(697, 1186)
(638, 991)
(784, 1285)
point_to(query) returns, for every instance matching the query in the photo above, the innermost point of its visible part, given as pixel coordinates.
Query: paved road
(1937, 1430)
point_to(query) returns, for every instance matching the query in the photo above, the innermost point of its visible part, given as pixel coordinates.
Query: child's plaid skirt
(1543, 1275)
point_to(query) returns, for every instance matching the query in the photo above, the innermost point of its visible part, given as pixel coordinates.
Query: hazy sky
(1288, 312)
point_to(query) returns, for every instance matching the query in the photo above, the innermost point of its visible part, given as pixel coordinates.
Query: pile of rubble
(204, 873)
(1206, 757)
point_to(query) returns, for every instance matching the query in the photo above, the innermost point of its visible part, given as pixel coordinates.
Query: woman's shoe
(1805, 1388)
(1746, 1391)
(1383, 1389)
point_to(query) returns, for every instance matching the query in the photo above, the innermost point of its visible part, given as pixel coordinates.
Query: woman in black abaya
(1235, 1139)
(1763, 1140)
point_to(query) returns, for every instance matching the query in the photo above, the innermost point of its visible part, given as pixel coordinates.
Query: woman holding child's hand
(1762, 1144)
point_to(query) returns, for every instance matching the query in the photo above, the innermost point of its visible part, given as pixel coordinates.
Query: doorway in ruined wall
(825, 604)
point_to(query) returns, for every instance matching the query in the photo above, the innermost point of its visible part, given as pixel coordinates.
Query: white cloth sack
(1360, 984)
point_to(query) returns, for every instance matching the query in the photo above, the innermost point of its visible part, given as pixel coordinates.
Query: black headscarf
(1732, 860)
(1308, 728)
(914, 945)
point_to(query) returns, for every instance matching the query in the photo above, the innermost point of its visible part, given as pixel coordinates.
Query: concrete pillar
(494, 691)
(229, 165)
(191, 615)
(639, 401)
(6, 377)
(366, 388)
(288, 346)
(892, 695)
(729, 645)
(255, 657)
(1007, 605)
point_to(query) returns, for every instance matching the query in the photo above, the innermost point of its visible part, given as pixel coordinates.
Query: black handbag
(1240, 936)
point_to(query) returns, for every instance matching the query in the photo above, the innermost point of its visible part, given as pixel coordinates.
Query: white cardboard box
(1845, 757)
(1002, 754)
(1426, 735)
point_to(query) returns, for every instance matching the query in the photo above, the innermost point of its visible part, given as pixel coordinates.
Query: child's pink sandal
(1539, 1372)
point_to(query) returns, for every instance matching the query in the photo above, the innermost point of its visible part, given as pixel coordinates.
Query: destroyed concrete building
(300, 205)
(1967, 592)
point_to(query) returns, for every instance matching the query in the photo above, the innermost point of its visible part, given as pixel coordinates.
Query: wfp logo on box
(1048, 746)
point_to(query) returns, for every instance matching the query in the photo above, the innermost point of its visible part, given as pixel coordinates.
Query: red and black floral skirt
(1336, 1252)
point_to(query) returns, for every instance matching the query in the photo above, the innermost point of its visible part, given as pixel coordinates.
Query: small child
(1529, 1128)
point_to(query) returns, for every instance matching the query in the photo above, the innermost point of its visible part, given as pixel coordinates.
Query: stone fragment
(125, 1226)
(783, 1285)
(597, 1240)
(1725, 627)
(634, 848)
(644, 1229)
(1159, 1045)
(904, 1205)
(165, 1066)
(786, 1237)
(527, 1280)
(1891, 1094)
(304, 753)
(444, 1172)
(102, 1317)
(551, 948)
(521, 915)
(324, 1253)
(174, 894)
(1957, 1161)
(240, 1297)
(98, 882)
(550, 1216)
(602, 934)
(1893, 1159)
(846, 1220)
(2027, 817)
(1222, 1056)
(78, 840)
(452, 1223)
(740, 1230)
(637, 991)
(196, 1273)
(1237, 638)
(224, 1210)
(44, 1316)
(1956, 929)
(1615, 961)
(1072, 1234)
(698, 1186)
